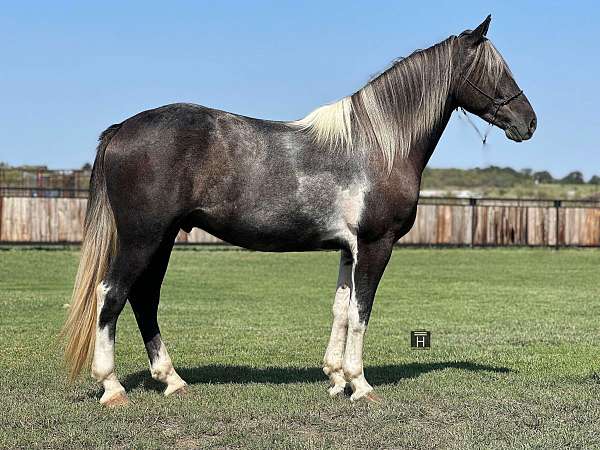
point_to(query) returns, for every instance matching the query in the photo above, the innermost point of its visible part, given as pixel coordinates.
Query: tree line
(498, 177)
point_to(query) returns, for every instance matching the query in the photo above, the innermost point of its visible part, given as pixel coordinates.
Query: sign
(420, 339)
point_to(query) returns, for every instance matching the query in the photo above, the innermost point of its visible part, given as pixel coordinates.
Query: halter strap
(503, 102)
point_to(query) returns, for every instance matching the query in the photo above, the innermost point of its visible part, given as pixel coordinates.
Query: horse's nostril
(532, 125)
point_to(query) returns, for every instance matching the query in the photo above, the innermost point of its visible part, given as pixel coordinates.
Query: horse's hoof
(118, 399)
(372, 397)
(369, 397)
(177, 392)
(336, 389)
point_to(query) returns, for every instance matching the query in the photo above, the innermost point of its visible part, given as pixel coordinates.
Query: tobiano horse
(346, 177)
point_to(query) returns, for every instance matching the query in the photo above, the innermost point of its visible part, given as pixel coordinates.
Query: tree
(86, 166)
(575, 177)
(594, 180)
(543, 177)
(526, 172)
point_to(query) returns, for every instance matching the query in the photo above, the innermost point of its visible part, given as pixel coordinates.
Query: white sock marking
(332, 363)
(353, 361)
(103, 364)
(162, 370)
(352, 364)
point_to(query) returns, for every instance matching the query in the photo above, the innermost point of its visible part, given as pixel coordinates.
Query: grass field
(515, 356)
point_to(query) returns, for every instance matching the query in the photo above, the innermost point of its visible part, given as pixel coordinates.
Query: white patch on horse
(103, 364)
(162, 369)
(348, 211)
(351, 203)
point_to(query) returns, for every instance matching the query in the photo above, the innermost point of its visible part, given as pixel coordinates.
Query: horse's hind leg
(144, 299)
(332, 362)
(129, 262)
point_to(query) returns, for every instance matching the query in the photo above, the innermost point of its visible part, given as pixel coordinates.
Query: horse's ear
(478, 34)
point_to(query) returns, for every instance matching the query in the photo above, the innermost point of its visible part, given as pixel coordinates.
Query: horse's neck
(423, 148)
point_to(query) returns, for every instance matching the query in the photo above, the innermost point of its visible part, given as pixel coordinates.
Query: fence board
(581, 227)
(541, 226)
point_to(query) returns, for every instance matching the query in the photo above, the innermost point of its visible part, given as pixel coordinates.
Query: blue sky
(70, 69)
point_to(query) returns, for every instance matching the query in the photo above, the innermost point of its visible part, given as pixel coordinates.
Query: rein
(499, 103)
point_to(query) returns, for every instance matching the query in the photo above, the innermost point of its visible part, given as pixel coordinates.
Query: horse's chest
(388, 210)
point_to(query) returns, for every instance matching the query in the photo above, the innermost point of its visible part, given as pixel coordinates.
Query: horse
(346, 177)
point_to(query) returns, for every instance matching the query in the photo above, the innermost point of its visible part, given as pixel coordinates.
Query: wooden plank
(591, 227)
(541, 226)
(581, 226)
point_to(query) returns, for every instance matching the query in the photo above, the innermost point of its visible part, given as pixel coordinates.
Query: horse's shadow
(222, 374)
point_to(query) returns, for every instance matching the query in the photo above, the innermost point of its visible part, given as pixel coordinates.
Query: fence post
(473, 203)
(557, 207)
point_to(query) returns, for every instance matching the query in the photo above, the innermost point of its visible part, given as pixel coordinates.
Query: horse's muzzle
(521, 133)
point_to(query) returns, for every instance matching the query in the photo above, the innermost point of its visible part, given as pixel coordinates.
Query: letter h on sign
(420, 339)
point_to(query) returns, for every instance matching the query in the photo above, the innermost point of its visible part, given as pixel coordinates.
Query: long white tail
(98, 246)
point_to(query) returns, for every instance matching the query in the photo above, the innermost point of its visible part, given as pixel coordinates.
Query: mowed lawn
(515, 357)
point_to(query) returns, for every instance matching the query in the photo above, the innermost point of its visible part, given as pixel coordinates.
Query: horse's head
(485, 86)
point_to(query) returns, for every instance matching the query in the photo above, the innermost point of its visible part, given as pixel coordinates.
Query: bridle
(498, 103)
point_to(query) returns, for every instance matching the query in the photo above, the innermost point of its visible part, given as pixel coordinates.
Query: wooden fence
(463, 222)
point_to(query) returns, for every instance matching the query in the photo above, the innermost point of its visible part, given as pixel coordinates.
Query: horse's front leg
(332, 362)
(370, 262)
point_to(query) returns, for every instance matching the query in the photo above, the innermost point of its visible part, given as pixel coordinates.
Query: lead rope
(482, 136)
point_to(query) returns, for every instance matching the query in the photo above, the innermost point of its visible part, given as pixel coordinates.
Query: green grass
(514, 360)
